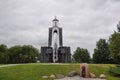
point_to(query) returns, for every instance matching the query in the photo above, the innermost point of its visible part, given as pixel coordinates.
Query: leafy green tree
(3, 56)
(81, 55)
(23, 54)
(101, 52)
(14, 54)
(118, 27)
(115, 45)
(29, 54)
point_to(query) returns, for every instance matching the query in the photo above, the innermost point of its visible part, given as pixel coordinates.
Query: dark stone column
(50, 37)
(60, 37)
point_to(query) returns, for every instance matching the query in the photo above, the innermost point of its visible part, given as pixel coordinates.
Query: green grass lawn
(37, 70)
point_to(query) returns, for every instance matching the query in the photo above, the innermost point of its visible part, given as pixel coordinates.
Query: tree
(101, 52)
(81, 55)
(115, 45)
(118, 27)
(29, 54)
(23, 54)
(3, 56)
(14, 54)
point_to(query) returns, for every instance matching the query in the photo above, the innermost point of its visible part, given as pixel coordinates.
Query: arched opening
(83, 72)
(55, 31)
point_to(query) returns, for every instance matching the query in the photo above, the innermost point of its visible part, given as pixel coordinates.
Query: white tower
(55, 38)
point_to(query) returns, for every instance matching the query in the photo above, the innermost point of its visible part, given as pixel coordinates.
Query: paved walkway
(79, 78)
(9, 65)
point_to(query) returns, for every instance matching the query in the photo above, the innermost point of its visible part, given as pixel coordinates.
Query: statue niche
(84, 70)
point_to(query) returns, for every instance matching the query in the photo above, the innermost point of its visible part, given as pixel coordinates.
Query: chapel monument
(55, 52)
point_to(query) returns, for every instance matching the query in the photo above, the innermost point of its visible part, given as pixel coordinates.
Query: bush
(115, 70)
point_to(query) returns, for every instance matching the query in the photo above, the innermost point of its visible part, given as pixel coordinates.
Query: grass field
(35, 71)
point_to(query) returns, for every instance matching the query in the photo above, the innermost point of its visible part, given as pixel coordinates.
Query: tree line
(106, 51)
(18, 54)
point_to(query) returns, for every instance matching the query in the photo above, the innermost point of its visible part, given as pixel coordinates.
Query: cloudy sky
(26, 22)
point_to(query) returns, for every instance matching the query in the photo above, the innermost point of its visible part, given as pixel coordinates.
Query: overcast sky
(26, 22)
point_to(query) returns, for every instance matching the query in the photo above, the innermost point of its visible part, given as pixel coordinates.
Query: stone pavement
(7, 65)
(79, 78)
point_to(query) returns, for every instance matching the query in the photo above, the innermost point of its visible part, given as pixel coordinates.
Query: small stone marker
(72, 73)
(52, 76)
(45, 77)
(102, 76)
(84, 70)
(92, 75)
(60, 76)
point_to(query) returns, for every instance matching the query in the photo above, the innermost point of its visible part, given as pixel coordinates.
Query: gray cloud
(83, 21)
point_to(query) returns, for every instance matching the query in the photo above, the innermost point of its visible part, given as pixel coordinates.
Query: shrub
(115, 70)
